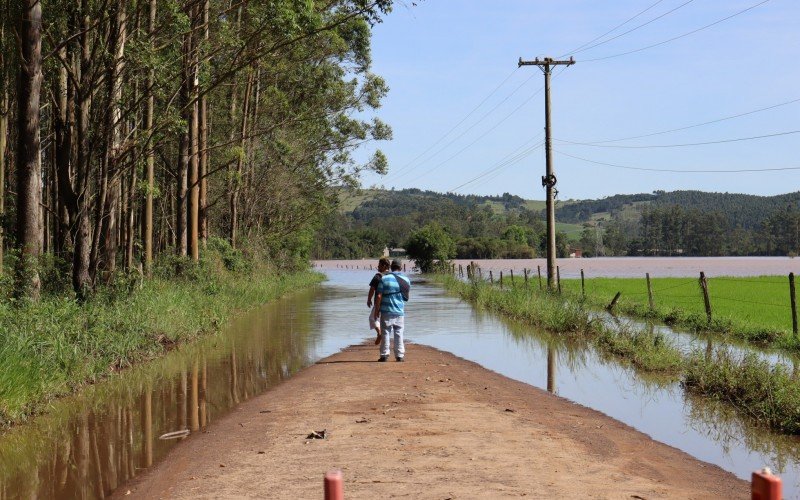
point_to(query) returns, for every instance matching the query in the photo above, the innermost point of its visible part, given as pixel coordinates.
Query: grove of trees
(133, 128)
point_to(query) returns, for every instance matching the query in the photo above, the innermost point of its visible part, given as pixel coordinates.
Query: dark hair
(383, 261)
(396, 266)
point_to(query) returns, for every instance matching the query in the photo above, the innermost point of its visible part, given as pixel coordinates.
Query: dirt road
(433, 427)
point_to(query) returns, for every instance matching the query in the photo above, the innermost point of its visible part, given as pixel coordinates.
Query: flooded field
(89, 445)
(620, 267)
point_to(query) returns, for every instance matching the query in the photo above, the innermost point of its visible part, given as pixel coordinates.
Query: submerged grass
(51, 348)
(752, 309)
(648, 351)
(769, 395)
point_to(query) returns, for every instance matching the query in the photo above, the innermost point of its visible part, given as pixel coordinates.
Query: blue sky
(441, 59)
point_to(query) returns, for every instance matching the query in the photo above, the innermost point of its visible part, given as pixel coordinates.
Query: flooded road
(89, 445)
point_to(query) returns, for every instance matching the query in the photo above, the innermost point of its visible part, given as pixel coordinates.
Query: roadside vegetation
(751, 309)
(55, 346)
(769, 395)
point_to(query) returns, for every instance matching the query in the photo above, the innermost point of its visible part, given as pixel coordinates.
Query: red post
(766, 486)
(334, 485)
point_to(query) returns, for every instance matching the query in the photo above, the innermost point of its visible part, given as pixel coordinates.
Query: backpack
(405, 285)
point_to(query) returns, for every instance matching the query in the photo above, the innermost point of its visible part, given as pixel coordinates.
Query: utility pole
(549, 179)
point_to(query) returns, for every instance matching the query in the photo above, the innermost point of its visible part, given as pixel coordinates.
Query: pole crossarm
(546, 62)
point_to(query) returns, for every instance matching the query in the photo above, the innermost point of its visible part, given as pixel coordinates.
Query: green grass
(52, 348)
(766, 394)
(752, 309)
(573, 231)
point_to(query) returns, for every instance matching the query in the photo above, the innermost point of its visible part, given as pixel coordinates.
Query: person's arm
(370, 295)
(378, 296)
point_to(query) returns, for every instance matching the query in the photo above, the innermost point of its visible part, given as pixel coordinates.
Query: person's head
(396, 266)
(383, 264)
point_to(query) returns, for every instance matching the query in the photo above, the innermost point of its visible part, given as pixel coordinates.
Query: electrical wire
(635, 28)
(405, 168)
(610, 31)
(454, 127)
(507, 161)
(435, 167)
(729, 171)
(677, 37)
(693, 126)
(651, 146)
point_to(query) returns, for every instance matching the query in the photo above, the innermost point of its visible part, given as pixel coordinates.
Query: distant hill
(506, 225)
(742, 210)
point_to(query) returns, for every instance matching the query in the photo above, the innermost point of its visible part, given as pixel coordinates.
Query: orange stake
(766, 486)
(334, 485)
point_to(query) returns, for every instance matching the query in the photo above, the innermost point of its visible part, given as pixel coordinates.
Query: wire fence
(768, 301)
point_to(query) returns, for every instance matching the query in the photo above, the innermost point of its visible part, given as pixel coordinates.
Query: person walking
(374, 312)
(391, 295)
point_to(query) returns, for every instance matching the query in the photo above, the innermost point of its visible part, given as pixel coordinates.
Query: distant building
(576, 253)
(397, 252)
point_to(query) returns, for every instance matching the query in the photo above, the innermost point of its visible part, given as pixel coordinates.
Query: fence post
(649, 292)
(501, 280)
(558, 278)
(704, 286)
(583, 286)
(480, 273)
(793, 298)
(610, 307)
(539, 270)
(491, 277)
(525, 273)
(512, 278)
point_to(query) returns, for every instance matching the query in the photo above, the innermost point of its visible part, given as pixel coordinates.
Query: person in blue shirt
(389, 300)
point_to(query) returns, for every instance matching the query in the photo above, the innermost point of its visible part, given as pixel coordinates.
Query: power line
(635, 28)
(510, 159)
(488, 131)
(726, 171)
(435, 167)
(695, 125)
(677, 37)
(611, 30)
(461, 121)
(454, 139)
(723, 141)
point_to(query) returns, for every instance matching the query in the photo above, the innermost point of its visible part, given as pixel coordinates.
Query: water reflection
(89, 445)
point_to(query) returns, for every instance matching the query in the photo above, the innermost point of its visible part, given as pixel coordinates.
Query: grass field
(752, 308)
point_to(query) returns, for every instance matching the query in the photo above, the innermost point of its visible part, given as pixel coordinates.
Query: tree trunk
(150, 162)
(203, 146)
(3, 135)
(193, 177)
(81, 259)
(237, 181)
(29, 224)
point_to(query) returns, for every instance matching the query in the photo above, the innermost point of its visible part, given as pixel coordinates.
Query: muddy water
(89, 445)
(621, 267)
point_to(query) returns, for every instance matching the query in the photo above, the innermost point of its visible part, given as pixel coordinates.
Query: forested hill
(741, 210)
(658, 223)
(410, 201)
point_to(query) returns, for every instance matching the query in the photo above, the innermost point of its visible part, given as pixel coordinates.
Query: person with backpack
(391, 295)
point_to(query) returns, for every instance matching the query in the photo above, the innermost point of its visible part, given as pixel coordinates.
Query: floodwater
(620, 267)
(89, 445)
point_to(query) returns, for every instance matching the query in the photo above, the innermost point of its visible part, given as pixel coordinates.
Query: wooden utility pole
(549, 179)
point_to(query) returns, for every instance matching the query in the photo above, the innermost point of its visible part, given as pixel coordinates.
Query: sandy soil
(435, 426)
